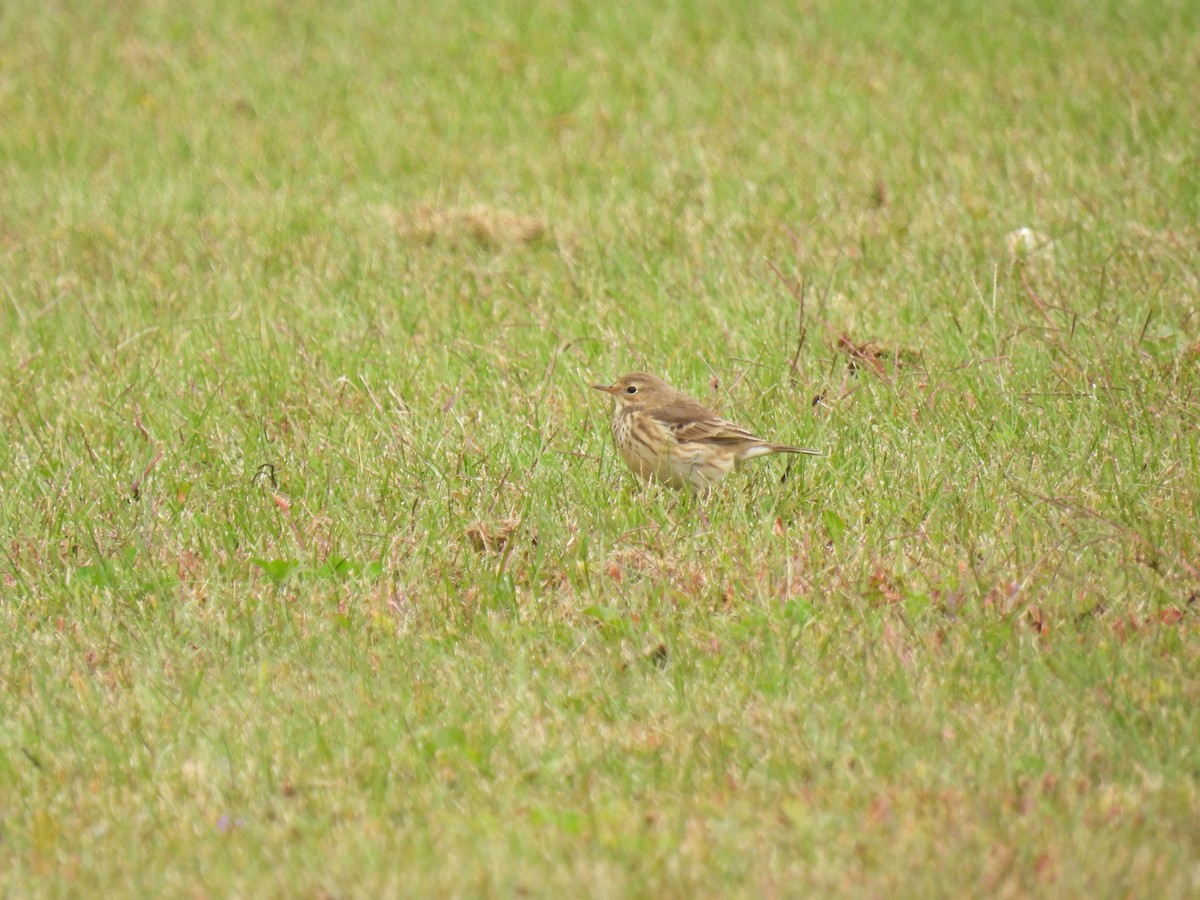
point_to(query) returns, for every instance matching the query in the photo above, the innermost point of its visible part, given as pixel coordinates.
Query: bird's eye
(631, 389)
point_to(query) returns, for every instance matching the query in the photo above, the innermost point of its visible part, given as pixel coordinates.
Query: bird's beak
(607, 388)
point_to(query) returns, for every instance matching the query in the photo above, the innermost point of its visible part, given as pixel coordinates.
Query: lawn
(319, 573)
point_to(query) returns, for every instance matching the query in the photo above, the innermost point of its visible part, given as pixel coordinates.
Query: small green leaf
(335, 567)
(835, 525)
(277, 570)
(340, 567)
(96, 576)
(603, 614)
(798, 611)
(609, 619)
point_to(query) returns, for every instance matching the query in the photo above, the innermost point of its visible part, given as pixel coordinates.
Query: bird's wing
(689, 422)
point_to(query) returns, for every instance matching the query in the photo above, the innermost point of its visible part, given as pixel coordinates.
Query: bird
(664, 435)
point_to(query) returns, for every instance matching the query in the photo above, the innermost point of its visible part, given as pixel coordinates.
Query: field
(320, 576)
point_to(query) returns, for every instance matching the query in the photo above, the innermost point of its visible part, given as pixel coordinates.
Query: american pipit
(669, 437)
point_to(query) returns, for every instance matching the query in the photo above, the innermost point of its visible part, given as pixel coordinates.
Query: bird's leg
(700, 497)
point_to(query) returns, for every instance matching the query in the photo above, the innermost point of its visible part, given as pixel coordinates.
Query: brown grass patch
(481, 225)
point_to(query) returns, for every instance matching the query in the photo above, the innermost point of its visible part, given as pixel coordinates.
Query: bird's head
(637, 390)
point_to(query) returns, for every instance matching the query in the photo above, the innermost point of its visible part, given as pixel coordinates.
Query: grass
(320, 575)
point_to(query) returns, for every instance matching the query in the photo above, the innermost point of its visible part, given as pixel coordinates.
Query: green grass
(319, 574)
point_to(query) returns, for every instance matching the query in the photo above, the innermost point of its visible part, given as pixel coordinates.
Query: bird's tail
(783, 448)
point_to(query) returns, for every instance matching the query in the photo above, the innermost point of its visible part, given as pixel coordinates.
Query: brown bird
(667, 436)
